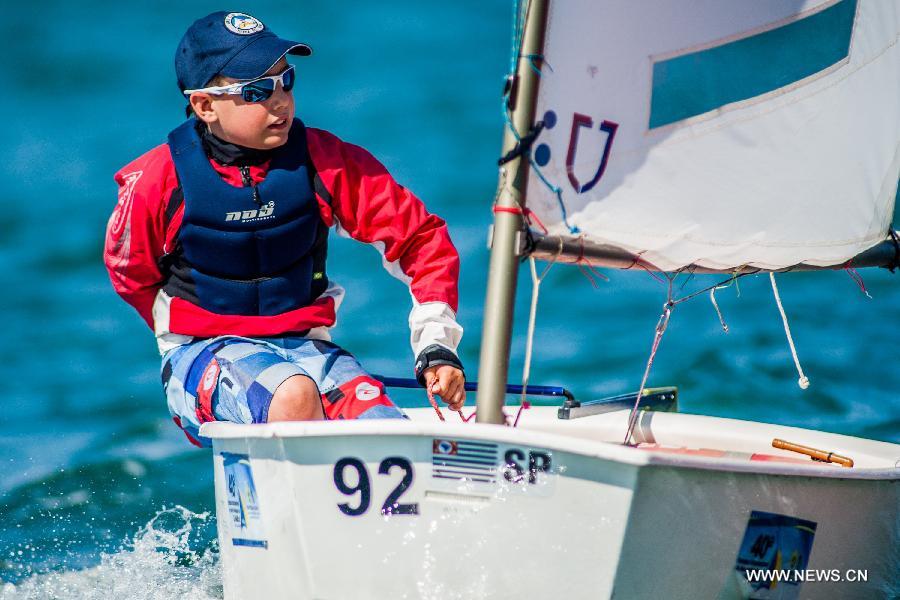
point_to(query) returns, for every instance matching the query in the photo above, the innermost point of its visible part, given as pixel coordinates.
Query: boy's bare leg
(296, 399)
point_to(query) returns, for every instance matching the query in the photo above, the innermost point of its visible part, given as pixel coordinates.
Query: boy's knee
(296, 399)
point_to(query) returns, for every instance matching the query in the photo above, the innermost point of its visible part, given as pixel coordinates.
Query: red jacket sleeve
(135, 234)
(373, 208)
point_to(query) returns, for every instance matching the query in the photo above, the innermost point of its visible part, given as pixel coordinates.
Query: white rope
(532, 317)
(803, 382)
(712, 297)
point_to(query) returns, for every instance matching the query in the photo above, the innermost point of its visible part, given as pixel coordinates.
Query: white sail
(720, 133)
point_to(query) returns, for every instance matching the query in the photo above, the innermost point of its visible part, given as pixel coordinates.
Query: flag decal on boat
(464, 460)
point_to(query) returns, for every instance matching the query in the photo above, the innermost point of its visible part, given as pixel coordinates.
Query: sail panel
(720, 133)
(697, 82)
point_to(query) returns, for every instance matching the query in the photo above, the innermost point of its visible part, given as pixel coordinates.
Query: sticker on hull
(774, 548)
(244, 517)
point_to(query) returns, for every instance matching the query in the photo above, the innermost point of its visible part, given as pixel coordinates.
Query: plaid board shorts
(234, 378)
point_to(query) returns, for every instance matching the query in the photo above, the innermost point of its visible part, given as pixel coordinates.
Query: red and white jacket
(366, 205)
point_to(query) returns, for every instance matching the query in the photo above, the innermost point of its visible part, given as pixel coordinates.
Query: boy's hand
(450, 384)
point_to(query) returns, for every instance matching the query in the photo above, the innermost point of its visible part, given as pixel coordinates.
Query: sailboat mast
(503, 272)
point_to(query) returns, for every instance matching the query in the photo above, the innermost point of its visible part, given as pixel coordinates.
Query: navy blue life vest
(246, 251)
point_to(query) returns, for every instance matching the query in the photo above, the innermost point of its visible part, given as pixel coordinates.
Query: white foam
(157, 564)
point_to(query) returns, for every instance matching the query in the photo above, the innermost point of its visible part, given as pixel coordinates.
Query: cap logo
(243, 24)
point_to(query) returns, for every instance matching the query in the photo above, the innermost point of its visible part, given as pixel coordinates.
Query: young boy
(219, 239)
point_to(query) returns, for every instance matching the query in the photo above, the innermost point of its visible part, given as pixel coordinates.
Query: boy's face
(261, 125)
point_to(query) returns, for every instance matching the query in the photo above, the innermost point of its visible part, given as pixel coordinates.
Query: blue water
(98, 489)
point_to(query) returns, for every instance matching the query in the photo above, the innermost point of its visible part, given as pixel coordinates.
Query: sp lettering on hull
(522, 467)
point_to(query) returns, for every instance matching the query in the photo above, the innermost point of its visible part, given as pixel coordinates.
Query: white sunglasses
(257, 90)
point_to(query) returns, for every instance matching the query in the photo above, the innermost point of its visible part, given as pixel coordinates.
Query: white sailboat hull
(565, 511)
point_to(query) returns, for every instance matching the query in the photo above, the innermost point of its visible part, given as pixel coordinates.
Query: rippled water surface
(101, 497)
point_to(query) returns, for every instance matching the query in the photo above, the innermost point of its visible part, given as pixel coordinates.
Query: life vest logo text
(264, 212)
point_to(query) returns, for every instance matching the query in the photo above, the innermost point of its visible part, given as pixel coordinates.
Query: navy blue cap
(232, 44)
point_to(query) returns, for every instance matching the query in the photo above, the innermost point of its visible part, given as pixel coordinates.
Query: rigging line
(803, 382)
(508, 119)
(690, 271)
(657, 338)
(518, 25)
(591, 273)
(733, 279)
(520, 17)
(857, 278)
(712, 297)
(532, 318)
(737, 285)
(556, 191)
(640, 263)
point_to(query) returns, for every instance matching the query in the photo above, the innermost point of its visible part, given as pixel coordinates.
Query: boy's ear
(201, 104)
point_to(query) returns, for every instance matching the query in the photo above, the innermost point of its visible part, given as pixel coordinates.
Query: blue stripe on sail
(692, 84)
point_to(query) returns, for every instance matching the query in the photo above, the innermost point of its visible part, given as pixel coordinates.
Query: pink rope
(524, 406)
(591, 272)
(855, 276)
(433, 402)
(434, 405)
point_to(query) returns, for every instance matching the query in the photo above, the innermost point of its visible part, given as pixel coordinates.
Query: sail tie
(858, 280)
(803, 382)
(523, 145)
(590, 273)
(528, 214)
